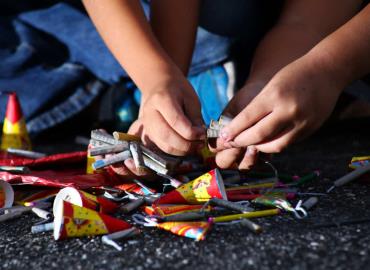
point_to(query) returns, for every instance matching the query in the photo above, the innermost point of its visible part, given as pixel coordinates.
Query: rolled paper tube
(10, 215)
(155, 157)
(95, 143)
(230, 205)
(123, 234)
(120, 157)
(15, 169)
(133, 205)
(167, 210)
(214, 125)
(150, 199)
(184, 217)
(255, 214)
(212, 133)
(104, 137)
(107, 149)
(310, 202)
(173, 182)
(224, 120)
(307, 178)
(25, 153)
(155, 166)
(108, 239)
(253, 186)
(17, 208)
(242, 197)
(126, 137)
(42, 228)
(41, 213)
(251, 225)
(137, 156)
(350, 176)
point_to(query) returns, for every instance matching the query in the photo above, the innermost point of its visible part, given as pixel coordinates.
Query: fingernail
(224, 135)
(251, 151)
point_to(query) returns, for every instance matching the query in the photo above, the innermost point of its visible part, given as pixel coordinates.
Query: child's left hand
(296, 102)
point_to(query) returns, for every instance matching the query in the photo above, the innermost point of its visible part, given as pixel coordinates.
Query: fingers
(251, 114)
(193, 111)
(228, 158)
(263, 130)
(279, 143)
(176, 119)
(166, 138)
(249, 159)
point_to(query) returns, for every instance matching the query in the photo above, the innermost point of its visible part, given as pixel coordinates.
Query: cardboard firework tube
(95, 143)
(75, 221)
(184, 217)
(251, 225)
(193, 229)
(42, 227)
(107, 149)
(263, 213)
(10, 215)
(84, 199)
(310, 202)
(200, 190)
(224, 120)
(25, 153)
(132, 205)
(137, 156)
(212, 133)
(120, 157)
(41, 213)
(6, 194)
(105, 137)
(154, 166)
(123, 234)
(126, 137)
(167, 210)
(214, 125)
(230, 205)
(155, 157)
(15, 169)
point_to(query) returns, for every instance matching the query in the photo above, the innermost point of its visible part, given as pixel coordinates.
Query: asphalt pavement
(286, 243)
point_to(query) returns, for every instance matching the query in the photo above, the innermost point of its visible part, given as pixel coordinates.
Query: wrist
(161, 78)
(326, 60)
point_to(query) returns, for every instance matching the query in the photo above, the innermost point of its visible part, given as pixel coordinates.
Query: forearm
(297, 32)
(125, 30)
(346, 52)
(174, 23)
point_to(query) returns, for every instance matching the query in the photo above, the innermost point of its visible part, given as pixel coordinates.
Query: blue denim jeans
(49, 55)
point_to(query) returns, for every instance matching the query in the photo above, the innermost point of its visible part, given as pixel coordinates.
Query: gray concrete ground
(286, 243)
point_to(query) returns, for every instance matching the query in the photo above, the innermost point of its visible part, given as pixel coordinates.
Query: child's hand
(171, 118)
(296, 101)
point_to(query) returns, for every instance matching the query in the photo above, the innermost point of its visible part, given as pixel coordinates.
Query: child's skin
(298, 72)
(157, 58)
